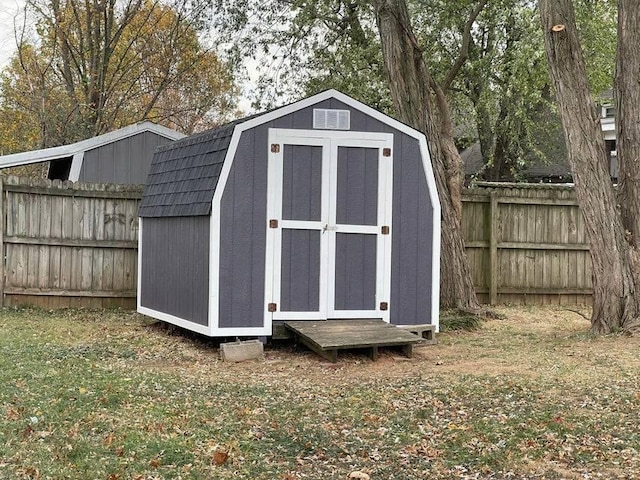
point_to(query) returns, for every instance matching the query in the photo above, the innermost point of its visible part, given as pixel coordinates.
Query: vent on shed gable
(328, 119)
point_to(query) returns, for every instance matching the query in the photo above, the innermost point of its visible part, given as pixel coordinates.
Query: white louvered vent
(329, 119)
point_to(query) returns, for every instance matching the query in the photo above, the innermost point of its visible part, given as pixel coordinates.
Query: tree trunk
(615, 302)
(627, 95)
(420, 103)
(485, 128)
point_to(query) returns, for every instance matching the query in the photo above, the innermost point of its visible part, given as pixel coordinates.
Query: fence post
(493, 248)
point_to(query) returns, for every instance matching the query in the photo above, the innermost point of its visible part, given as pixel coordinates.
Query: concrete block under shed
(426, 331)
(242, 351)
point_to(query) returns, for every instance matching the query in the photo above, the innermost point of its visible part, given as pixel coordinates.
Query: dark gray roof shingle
(184, 174)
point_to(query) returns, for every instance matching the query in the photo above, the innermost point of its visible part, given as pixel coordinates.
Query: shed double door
(329, 225)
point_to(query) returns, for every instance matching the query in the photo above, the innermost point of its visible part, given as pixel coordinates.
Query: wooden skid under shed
(326, 337)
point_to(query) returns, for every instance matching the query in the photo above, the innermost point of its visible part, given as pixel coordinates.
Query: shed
(321, 209)
(122, 156)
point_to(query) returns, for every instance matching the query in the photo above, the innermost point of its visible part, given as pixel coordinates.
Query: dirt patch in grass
(527, 342)
(112, 395)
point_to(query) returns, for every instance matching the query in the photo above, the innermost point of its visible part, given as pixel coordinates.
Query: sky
(9, 11)
(10, 14)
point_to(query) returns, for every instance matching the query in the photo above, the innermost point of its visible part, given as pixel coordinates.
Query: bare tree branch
(464, 46)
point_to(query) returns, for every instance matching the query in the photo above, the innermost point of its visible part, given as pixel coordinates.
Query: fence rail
(73, 244)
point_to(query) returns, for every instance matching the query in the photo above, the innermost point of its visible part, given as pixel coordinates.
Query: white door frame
(330, 141)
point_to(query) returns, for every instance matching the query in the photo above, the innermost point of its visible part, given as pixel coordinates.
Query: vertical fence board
(53, 241)
(494, 267)
(535, 243)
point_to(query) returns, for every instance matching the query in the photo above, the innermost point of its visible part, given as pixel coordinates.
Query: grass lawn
(111, 395)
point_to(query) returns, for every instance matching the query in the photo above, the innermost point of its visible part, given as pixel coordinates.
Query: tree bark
(627, 95)
(615, 301)
(420, 103)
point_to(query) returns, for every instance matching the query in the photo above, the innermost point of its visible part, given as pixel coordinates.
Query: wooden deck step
(326, 337)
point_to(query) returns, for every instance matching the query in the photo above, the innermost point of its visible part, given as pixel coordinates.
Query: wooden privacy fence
(72, 245)
(526, 244)
(68, 245)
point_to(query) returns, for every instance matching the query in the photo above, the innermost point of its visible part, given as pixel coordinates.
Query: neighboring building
(122, 156)
(608, 123)
(322, 209)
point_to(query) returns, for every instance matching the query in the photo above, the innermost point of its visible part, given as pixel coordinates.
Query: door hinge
(386, 152)
(273, 223)
(273, 307)
(275, 148)
(384, 306)
(385, 229)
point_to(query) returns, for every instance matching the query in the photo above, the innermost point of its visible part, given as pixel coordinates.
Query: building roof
(184, 174)
(65, 151)
(535, 170)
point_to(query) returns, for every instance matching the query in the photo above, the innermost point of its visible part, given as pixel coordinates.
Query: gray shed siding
(357, 189)
(411, 286)
(356, 204)
(125, 161)
(175, 266)
(412, 222)
(355, 272)
(243, 213)
(302, 182)
(300, 282)
(243, 225)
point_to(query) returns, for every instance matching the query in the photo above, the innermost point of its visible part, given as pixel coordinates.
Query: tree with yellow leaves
(97, 65)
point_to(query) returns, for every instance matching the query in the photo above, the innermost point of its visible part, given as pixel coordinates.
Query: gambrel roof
(184, 174)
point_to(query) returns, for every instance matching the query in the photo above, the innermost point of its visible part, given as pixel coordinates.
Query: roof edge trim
(53, 153)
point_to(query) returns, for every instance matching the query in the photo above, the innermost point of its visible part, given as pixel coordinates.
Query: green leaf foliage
(86, 68)
(501, 96)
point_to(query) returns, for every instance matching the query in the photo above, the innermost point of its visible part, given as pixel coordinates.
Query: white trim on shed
(214, 271)
(233, 134)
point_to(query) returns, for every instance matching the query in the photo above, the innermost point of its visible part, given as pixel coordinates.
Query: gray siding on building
(411, 275)
(301, 200)
(243, 225)
(356, 204)
(302, 182)
(243, 213)
(300, 278)
(175, 266)
(412, 232)
(357, 189)
(125, 161)
(355, 271)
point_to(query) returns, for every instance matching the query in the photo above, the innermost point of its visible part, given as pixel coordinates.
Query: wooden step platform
(326, 337)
